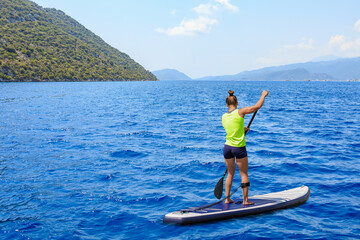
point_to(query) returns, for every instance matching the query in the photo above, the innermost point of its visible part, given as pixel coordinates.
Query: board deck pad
(263, 203)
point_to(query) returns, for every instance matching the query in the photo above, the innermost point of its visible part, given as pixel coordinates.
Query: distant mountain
(41, 44)
(339, 69)
(170, 74)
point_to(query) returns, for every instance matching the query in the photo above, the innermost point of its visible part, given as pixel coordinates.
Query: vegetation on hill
(40, 44)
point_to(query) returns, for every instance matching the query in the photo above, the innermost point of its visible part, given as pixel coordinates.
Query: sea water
(107, 160)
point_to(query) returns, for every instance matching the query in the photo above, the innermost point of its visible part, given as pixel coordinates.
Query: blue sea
(107, 160)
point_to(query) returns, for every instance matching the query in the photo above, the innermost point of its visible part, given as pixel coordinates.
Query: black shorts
(231, 152)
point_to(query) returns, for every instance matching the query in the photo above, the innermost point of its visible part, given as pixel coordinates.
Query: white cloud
(347, 47)
(357, 26)
(351, 46)
(215, 6)
(306, 49)
(227, 5)
(173, 12)
(203, 23)
(305, 44)
(190, 27)
(336, 40)
(204, 9)
(302, 51)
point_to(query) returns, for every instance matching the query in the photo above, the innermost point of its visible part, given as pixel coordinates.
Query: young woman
(235, 145)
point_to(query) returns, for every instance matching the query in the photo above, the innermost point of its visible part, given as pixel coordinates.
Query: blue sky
(220, 37)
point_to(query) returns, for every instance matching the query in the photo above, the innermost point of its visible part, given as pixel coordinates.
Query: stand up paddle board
(220, 210)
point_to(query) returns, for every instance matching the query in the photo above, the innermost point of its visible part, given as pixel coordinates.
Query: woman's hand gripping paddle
(219, 188)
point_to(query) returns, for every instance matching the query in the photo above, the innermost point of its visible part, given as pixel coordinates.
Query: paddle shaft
(251, 120)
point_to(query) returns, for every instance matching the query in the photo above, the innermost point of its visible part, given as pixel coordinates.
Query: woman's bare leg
(230, 163)
(243, 168)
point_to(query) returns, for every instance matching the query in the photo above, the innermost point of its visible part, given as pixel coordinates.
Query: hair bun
(231, 93)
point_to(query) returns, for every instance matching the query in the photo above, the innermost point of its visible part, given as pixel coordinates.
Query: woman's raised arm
(247, 110)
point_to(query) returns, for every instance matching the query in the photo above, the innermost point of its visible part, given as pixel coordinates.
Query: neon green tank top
(234, 127)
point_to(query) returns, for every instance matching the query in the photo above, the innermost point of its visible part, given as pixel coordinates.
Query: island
(42, 44)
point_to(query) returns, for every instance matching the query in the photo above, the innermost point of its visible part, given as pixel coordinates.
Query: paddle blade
(218, 191)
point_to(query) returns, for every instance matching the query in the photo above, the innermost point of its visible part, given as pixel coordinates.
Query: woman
(235, 145)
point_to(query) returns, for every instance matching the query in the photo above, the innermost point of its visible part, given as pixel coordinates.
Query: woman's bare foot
(248, 203)
(227, 201)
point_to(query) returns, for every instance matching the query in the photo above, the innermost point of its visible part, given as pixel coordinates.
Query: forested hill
(41, 44)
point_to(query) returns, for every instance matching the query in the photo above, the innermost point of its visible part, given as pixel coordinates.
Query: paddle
(218, 191)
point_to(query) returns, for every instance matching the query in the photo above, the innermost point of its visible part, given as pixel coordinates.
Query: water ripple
(78, 162)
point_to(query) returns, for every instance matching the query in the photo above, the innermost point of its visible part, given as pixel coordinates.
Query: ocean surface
(107, 160)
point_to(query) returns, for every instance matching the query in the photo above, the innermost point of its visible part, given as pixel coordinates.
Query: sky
(220, 37)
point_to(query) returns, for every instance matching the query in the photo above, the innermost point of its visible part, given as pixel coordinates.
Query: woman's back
(234, 127)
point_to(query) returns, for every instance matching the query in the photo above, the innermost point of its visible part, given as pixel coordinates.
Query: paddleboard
(220, 210)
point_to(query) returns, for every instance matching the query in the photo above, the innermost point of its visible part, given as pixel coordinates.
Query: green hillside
(41, 44)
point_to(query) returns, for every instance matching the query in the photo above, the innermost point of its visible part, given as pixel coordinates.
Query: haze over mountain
(339, 69)
(41, 44)
(325, 58)
(170, 74)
